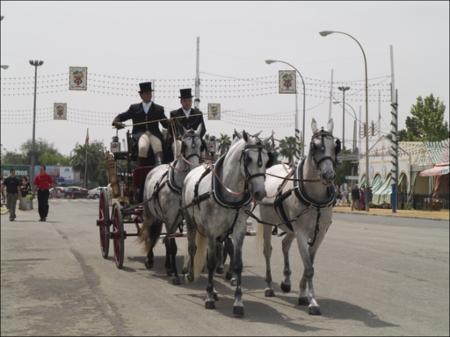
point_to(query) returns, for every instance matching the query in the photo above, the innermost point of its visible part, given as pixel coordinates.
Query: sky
(123, 43)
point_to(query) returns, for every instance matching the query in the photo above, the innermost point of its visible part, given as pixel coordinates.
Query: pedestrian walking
(12, 184)
(355, 197)
(42, 183)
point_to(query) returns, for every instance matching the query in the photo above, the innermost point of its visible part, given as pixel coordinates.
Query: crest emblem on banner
(287, 82)
(213, 111)
(60, 111)
(77, 78)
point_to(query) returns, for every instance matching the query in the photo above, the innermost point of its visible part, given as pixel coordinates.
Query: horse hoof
(303, 301)
(190, 278)
(184, 270)
(233, 282)
(269, 293)
(228, 276)
(315, 311)
(210, 305)
(220, 270)
(238, 311)
(148, 264)
(285, 287)
(176, 281)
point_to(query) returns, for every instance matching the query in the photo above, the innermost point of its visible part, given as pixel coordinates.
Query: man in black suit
(145, 132)
(188, 118)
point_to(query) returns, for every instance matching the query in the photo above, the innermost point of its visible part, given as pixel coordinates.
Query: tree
(96, 171)
(288, 148)
(427, 121)
(224, 143)
(45, 153)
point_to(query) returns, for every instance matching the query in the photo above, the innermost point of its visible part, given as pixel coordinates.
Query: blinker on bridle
(322, 134)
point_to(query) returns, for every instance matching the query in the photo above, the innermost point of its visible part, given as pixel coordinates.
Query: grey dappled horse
(303, 207)
(214, 202)
(162, 199)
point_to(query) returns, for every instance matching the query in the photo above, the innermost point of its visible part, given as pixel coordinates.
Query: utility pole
(343, 89)
(394, 151)
(35, 64)
(197, 77)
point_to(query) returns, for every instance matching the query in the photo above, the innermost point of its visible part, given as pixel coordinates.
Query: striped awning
(438, 170)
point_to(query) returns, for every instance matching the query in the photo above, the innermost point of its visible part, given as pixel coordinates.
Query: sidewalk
(402, 213)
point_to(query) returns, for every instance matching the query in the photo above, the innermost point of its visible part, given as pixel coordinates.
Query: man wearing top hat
(145, 131)
(187, 117)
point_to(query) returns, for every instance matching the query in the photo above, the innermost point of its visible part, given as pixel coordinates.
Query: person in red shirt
(42, 183)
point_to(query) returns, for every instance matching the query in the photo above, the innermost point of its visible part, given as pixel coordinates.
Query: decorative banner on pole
(60, 111)
(287, 82)
(213, 111)
(77, 78)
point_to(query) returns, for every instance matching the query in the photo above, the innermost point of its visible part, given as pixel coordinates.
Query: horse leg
(211, 265)
(167, 264)
(173, 261)
(155, 231)
(238, 306)
(267, 235)
(229, 250)
(307, 294)
(220, 253)
(286, 245)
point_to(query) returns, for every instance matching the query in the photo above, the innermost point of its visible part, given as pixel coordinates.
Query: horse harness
(216, 188)
(300, 191)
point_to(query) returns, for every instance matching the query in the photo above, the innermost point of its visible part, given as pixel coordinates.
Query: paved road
(374, 276)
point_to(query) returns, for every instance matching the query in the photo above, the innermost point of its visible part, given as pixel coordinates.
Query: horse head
(323, 151)
(254, 160)
(191, 145)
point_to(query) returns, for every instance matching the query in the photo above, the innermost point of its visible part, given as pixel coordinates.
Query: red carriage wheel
(104, 222)
(118, 235)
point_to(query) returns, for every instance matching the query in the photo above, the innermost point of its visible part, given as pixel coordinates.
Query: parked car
(94, 193)
(57, 192)
(74, 192)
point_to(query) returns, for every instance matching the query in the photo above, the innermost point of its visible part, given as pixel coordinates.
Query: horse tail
(200, 255)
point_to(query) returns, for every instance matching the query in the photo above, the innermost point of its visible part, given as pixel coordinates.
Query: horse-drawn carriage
(121, 203)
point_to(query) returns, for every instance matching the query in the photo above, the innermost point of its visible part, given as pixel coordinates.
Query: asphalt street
(374, 275)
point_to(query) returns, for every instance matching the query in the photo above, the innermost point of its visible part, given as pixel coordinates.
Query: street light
(328, 32)
(35, 64)
(4, 66)
(296, 102)
(357, 120)
(343, 89)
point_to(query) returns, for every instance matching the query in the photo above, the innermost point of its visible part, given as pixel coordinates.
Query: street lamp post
(35, 64)
(343, 89)
(296, 104)
(328, 32)
(356, 121)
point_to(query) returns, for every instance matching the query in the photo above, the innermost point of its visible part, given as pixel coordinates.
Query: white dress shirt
(146, 106)
(187, 112)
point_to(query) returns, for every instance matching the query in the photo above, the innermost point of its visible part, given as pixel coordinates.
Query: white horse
(301, 202)
(162, 200)
(214, 203)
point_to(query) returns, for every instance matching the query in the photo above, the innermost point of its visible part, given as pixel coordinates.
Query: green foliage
(426, 122)
(343, 169)
(96, 171)
(46, 154)
(288, 148)
(224, 143)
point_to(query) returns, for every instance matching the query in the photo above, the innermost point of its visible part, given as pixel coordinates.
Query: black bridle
(322, 134)
(245, 155)
(184, 147)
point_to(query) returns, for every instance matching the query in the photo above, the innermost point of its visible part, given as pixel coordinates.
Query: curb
(393, 216)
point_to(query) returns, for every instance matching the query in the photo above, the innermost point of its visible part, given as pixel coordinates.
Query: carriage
(121, 202)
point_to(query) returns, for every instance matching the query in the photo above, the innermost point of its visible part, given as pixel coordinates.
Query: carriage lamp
(115, 144)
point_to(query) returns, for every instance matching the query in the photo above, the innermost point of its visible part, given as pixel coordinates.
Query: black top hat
(145, 87)
(185, 93)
